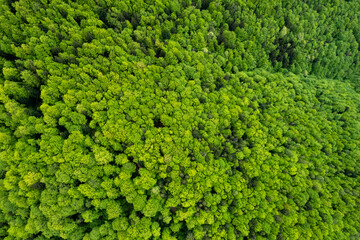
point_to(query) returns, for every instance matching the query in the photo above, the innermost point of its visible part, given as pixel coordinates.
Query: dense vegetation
(179, 119)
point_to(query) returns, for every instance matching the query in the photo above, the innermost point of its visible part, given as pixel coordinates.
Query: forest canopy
(179, 119)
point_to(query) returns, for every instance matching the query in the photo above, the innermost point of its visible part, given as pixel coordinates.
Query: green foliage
(179, 119)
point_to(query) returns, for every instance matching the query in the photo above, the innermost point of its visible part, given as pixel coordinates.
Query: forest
(179, 119)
